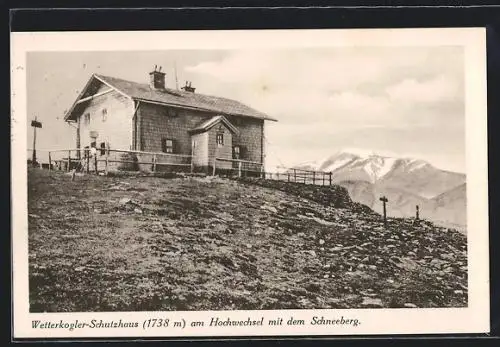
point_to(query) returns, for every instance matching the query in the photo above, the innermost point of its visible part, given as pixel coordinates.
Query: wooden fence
(106, 160)
(301, 176)
(242, 168)
(237, 167)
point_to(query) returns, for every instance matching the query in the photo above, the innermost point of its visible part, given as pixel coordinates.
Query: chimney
(157, 79)
(188, 87)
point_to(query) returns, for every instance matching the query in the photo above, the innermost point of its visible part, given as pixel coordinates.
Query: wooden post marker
(384, 201)
(417, 215)
(35, 124)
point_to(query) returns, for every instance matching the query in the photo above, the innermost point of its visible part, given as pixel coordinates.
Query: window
(103, 148)
(86, 119)
(167, 146)
(93, 144)
(220, 140)
(236, 152)
(104, 114)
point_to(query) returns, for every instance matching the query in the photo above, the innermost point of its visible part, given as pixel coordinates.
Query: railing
(301, 176)
(105, 160)
(241, 168)
(305, 176)
(237, 167)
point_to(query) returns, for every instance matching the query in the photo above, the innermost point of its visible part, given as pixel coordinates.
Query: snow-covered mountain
(406, 182)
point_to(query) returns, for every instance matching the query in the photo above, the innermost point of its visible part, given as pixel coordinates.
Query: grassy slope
(198, 244)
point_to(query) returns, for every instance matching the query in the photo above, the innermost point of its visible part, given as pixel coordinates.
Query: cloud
(319, 94)
(377, 85)
(330, 69)
(438, 89)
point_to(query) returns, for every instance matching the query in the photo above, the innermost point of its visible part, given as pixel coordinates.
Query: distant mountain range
(406, 182)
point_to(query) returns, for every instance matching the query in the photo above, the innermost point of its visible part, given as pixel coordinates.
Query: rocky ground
(149, 243)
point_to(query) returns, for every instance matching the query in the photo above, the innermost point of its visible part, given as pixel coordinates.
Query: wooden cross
(384, 201)
(35, 124)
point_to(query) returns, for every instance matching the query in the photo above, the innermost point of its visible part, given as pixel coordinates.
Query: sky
(398, 101)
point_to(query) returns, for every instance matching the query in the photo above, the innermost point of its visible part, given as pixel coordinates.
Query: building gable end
(88, 93)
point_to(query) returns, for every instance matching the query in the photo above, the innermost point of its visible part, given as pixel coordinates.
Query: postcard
(249, 183)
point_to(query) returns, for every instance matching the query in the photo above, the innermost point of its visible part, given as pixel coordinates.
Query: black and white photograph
(250, 178)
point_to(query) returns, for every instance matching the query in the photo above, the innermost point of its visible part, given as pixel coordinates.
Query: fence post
(294, 175)
(323, 178)
(239, 169)
(330, 177)
(215, 161)
(288, 176)
(154, 162)
(50, 162)
(95, 164)
(87, 154)
(69, 159)
(192, 164)
(314, 177)
(106, 163)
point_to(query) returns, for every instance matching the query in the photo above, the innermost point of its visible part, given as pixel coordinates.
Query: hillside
(187, 243)
(406, 182)
(451, 205)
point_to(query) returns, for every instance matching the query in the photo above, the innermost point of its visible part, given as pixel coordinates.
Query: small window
(103, 148)
(86, 119)
(93, 144)
(104, 114)
(236, 152)
(220, 139)
(167, 146)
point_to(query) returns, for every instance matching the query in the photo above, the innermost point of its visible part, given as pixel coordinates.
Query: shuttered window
(167, 146)
(236, 152)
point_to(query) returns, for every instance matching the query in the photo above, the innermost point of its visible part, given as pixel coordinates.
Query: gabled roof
(207, 125)
(176, 98)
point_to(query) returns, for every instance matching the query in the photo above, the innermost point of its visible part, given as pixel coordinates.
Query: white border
(474, 319)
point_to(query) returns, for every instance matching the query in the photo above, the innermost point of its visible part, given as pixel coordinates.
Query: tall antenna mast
(176, 80)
